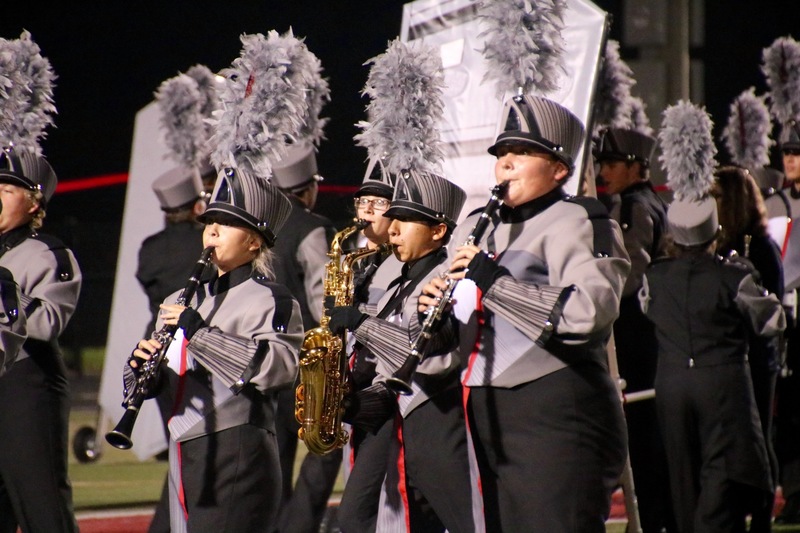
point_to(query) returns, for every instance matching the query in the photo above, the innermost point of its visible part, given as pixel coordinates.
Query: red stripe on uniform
(472, 356)
(401, 469)
(178, 399)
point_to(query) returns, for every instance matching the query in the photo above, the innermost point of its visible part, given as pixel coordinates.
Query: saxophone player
(429, 432)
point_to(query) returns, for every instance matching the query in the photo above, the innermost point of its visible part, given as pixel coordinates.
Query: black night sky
(111, 56)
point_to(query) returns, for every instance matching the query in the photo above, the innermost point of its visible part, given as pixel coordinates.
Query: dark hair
(740, 206)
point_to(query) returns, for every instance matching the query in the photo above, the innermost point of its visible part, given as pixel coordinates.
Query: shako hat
(298, 169)
(688, 158)
(618, 144)
(790, 137)
(28, 170)
(377, 182)
(178, 187)
(543, 124)
(243, 199)
(426, 197)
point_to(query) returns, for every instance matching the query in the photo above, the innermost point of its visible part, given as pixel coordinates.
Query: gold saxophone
(324, 372)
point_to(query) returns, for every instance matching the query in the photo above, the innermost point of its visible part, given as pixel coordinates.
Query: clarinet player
(544, 415)
(237, 344)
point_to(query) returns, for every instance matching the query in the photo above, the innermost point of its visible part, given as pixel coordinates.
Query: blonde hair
(35, 197)
(262, 263)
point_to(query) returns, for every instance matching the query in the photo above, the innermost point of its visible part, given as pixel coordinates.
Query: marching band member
(411, 471)
(35, 492)
(543, 411)
(705, 310)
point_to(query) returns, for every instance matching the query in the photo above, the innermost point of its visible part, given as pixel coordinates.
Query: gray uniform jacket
(49, 282)
(253, 331)
(568, 266)
(390, 339)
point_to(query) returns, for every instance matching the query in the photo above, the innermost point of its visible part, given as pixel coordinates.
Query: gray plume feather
(639, 120)
(747, 134)
(687, 151)
(613, 99)
(263, 105)
(26, 93)
(523, 46)
(182, 120)
(307, 67)
(209, 89)
(406, 85)
(781, 66)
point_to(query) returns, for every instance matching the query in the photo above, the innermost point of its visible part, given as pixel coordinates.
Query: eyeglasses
(378, 204)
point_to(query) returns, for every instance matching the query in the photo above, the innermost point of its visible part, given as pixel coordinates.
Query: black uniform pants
(358, 510)
(550, 451)
(35, 492)
(231, 481)
(437, 465)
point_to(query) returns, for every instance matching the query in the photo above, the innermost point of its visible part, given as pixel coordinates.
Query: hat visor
(376, 189)
(411, 213)
(7, 176)
(526, 139)
(231, 215)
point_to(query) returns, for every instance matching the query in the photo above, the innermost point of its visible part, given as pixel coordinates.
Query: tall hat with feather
(402, 135)
(187, 102)
(781, 66)
(688, 158)
(26, 110)
(523, 50)
(264, 108)
(747, 138)
(298, 169)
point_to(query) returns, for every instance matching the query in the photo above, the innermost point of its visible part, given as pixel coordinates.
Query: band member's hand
(460, 265)
(170, 313)
(190, 321)
(146, 349)
(345, 317)
(432, 293)
(484, 271)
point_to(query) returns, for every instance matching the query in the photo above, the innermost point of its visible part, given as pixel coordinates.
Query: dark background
(110, 57)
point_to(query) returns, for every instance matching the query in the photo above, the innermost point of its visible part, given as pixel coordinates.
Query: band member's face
(530, 173)
(371, 209)
(18, 209)
(233, 246)
(618, 175)
(413, 240)
(791, 165)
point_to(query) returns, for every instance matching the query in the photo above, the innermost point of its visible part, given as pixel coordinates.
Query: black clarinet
(147, 379)
(400, 382)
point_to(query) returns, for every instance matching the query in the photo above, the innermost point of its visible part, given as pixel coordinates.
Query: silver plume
(405, 85)
(747, 134)
(523, 46)
(687, 151)
(781, 66)
(26, 93)
(264, 105)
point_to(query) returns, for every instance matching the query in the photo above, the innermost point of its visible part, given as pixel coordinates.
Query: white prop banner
(472, 108)
(130, 309)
